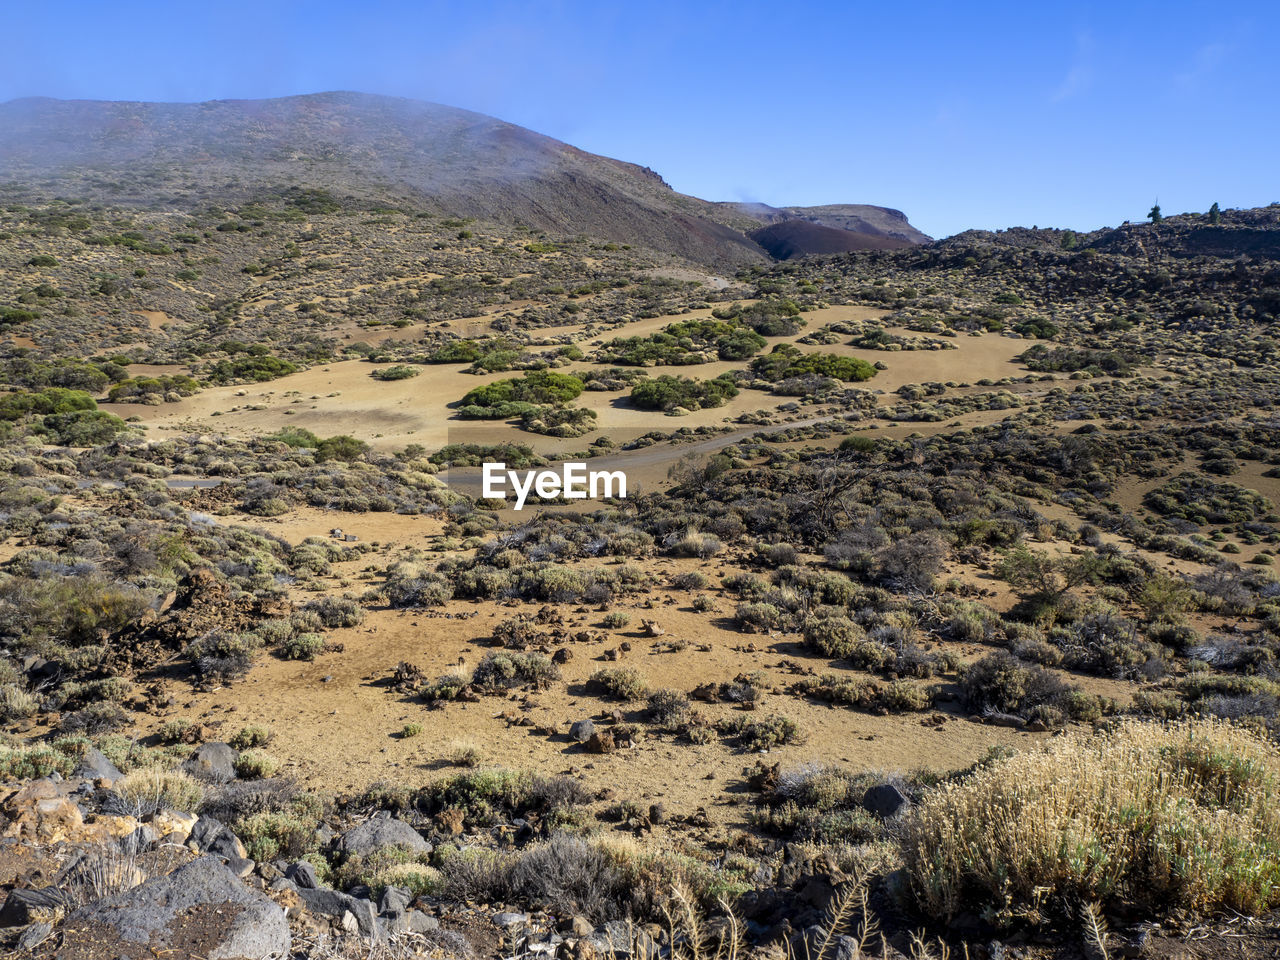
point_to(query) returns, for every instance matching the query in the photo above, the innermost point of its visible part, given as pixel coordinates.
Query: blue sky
(960, 114)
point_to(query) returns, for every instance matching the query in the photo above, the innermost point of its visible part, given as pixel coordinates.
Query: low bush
(401, 371)
(502, 671)
(624, 683)
(150, 789)
(303, 646)
(256, 765)
(786, 362)
(668, 393)
(1143, 819)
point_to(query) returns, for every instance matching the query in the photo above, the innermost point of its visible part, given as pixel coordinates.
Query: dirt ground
(339, 726)
(343, 398)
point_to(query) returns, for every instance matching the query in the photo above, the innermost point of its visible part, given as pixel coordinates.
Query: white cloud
(1204, 62)
(1080, 74)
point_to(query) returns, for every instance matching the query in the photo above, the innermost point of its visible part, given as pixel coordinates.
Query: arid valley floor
(941, 613)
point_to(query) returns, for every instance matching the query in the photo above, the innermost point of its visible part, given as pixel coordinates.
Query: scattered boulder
(173, 826)
(33, 936)
(601, 742)
(199, 909)
(40, 812)
(337, 905)
(303, 874)
(451, 821)
(582, 731)
(95, 766)
(395, 901)
(212, 762)
(577, 927)
(422, 923)
(617, 938)
(884, 800)
(211, 836)
(372, 835)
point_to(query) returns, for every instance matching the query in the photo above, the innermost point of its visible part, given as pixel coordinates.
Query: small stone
(601, 742)
(420, 922)
(303, 874)
(95, 766)
(173, 826)
(577, 927)
(25, 906)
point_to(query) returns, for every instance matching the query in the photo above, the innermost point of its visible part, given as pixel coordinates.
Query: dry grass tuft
(1153, 817)
(150, 789)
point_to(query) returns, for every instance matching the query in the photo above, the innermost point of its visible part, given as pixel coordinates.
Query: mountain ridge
(454, 161)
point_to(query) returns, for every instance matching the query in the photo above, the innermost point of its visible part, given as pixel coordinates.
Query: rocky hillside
(451, 161)
(788, 239)
(790, 232)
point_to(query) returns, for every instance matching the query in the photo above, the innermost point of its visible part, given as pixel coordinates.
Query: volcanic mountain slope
(788, 239)
(791, 232)
(443, 159)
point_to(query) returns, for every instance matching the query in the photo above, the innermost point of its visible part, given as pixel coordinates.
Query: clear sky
(1074, 114)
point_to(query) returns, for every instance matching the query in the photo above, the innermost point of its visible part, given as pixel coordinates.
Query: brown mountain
(792, 238)
(835, 228)
(443, 159)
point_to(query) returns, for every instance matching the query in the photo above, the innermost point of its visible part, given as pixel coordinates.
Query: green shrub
(512, 397)
(246, 738)
(256, 765)
(670, 393)
(303, 646)
(770, 731)
(836, 637)
(398, 372)
(257, 369)
(31, 762)
(148, 790)
(502, 671)
(785, 362)
(342, 447)
(624, 683)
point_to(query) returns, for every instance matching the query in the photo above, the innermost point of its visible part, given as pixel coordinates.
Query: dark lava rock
(884, 800)
(213, 762)
(372, 835)
(199, 909)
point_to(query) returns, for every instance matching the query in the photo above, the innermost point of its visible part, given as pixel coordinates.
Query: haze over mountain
(450, 160)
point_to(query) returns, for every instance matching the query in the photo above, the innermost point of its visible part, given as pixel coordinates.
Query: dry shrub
(151, 789)
(1146, 817)
(624, 683)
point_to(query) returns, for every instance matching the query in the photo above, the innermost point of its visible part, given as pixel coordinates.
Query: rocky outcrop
(379, 832)
(200, 909)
